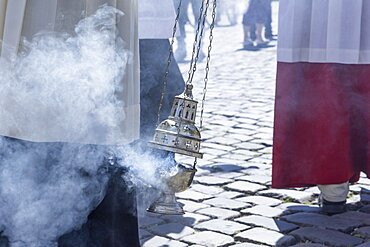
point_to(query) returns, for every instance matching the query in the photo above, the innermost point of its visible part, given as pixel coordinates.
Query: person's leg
(333, 197)
(268, 22)
(196, 5)
(247, 29)
(180, 52)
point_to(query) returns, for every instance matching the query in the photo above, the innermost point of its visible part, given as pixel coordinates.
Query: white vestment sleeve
(324, 31)
(12, 27)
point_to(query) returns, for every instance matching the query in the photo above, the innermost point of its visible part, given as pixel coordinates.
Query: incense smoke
(48, 189)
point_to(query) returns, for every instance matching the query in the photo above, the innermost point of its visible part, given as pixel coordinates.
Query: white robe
(24, 18)
(324, 31)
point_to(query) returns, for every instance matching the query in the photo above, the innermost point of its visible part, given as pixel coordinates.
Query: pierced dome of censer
(178, 132)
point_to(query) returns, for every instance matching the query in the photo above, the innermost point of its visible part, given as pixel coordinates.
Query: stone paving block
(314, 190)
(217, 146)
(220, 213)
(245, 187)
(206, 189)
(230, 194)
(235, 156)
(263, 211)
(157, 241)
(209, 238)
(249, 146)
(149, 219)
(364, 245)
(326, 237)
(187, 219)
(172, 230)
(300, 196)
(360, 188)
(256, 179)
(260, 235)
(355, 216)
(144, 234)
(248, 245)
(190, 206)
(364, 232)
(365, 209)
(193, 195)
(226, 203)
(243, 129)
(291, 207)
(212, 180)
(365, 198)
(323, 221)
(260, 200)
(225, 167)
(285, 241)
(222, 226)
(243, 138)
(230, 175)
(224, 141)
(307, 245)
(266, 222)
(214, 152)
(227, 159)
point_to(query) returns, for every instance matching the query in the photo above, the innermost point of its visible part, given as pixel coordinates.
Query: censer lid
(178, 132)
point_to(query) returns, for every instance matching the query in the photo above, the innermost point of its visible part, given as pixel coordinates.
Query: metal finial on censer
(178, 132)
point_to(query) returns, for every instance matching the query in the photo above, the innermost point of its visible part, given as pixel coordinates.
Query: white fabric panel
(334, 192)
(12, 27)
(324, 31)
(25, 20)
(2, 17)
(34, 22)
(156, 19)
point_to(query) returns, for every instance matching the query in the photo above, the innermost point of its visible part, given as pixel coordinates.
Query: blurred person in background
(256, 19)
(322, 104)
(181, 51)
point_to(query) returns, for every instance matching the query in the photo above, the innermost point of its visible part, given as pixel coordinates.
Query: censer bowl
(167, 203)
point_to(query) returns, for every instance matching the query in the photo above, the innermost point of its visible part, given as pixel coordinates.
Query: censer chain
(169, 60)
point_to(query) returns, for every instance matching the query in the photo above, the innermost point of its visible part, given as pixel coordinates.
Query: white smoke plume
(48, 189)
(70, 82)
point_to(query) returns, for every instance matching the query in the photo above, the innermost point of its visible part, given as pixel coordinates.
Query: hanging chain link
(208, 60)
(194, 58)
(197, 41)
(169, 60)
(207, 68)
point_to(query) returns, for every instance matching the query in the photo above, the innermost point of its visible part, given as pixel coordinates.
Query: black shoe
(331, 208)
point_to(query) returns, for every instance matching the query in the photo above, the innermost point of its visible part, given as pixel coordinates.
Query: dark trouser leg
(113, 223)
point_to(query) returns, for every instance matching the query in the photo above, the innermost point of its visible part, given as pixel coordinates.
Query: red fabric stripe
(322, 124)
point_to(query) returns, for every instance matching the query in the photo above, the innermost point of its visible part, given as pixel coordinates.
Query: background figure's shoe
(263, 44)
(249, 45)
(330, 208)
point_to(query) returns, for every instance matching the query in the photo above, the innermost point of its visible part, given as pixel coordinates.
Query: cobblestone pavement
(230, 202)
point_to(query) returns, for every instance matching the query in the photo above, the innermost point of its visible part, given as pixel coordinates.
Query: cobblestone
(233, 181)
(227, 203)
(220, 213)
(327, 237)
(260, 200)
(267, 222)
(245, 187)
(263, 211)
(323, 221)
(172, 230)
(209, 238)
(222, 226)
(260, 235)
